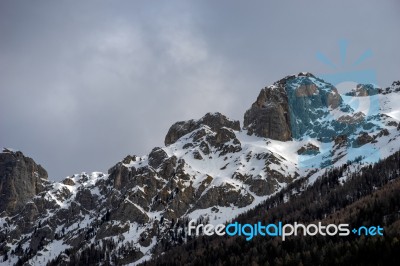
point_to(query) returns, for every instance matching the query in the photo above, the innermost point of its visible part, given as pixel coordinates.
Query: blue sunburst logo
(343, 44)
(346, 76)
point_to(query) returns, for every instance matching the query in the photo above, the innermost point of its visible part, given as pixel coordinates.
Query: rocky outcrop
(363, 139)
(223, 196)
(68, 181)
(269, 115)
(215, 121)
(362, 90)
(197, 155)
(340, 140)
(85, 198)
(120, 175)
(351, 119)
(262, 186)
(224, 141)
(128, 211)
(20, 179)
(395, 87)
(309, 149)
(156, 157)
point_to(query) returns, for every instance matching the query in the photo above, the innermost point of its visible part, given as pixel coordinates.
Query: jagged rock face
(20, 180)
(120, 175)
(288, 108)
(363, 139)
(309, 100)
(362, 90)
(308, 149)
(214, 120)
(340, 140)
(269, 116)
(303, 105)
(223, 196)
(156, 157)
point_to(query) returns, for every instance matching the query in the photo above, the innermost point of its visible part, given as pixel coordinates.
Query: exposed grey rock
(383, 132)
(41, 237)
(262, 187)
(168, 167)
(197, 155)
(179, 204)
(178, 130)
(187, 145)
(156, 157)
(223, 196)
(120, 175)
(362, 90)
(217, 121)
(129, 212)
(225, 135)
(228, 148)
(180, 171)
(224, 141)
(269, 115)
(340, 140)
(68, 181)
(198, 134)
(305, 74)
(107, 230)
(308, 149)
(86, 199)
(129, 159)
(352, 119)
(213, 120)
(363, 139)
(20, 179)
(204, 148)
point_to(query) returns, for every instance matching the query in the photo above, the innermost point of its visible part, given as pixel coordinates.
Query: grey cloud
(83, 84)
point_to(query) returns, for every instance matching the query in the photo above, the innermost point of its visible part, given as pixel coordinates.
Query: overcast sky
(84, 83)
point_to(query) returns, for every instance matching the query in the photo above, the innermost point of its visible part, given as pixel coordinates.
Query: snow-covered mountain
(210, 169)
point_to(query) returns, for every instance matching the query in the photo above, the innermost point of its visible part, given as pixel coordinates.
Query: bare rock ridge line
(215, 121)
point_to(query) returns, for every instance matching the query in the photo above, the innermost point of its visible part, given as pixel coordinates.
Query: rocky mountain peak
(215, 121)
(20, 179)
(303, 105)
(305, 74)
(395, 87)
(269, 115)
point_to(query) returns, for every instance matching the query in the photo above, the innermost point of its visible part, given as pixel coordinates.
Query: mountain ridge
(211, 169)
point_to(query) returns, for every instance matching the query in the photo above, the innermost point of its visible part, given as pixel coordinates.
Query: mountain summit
(211, 169)
(300, 106)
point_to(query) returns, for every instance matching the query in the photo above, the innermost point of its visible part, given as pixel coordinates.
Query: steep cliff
(20, 180)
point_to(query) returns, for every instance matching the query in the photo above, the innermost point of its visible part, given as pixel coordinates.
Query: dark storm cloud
(84, 83)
